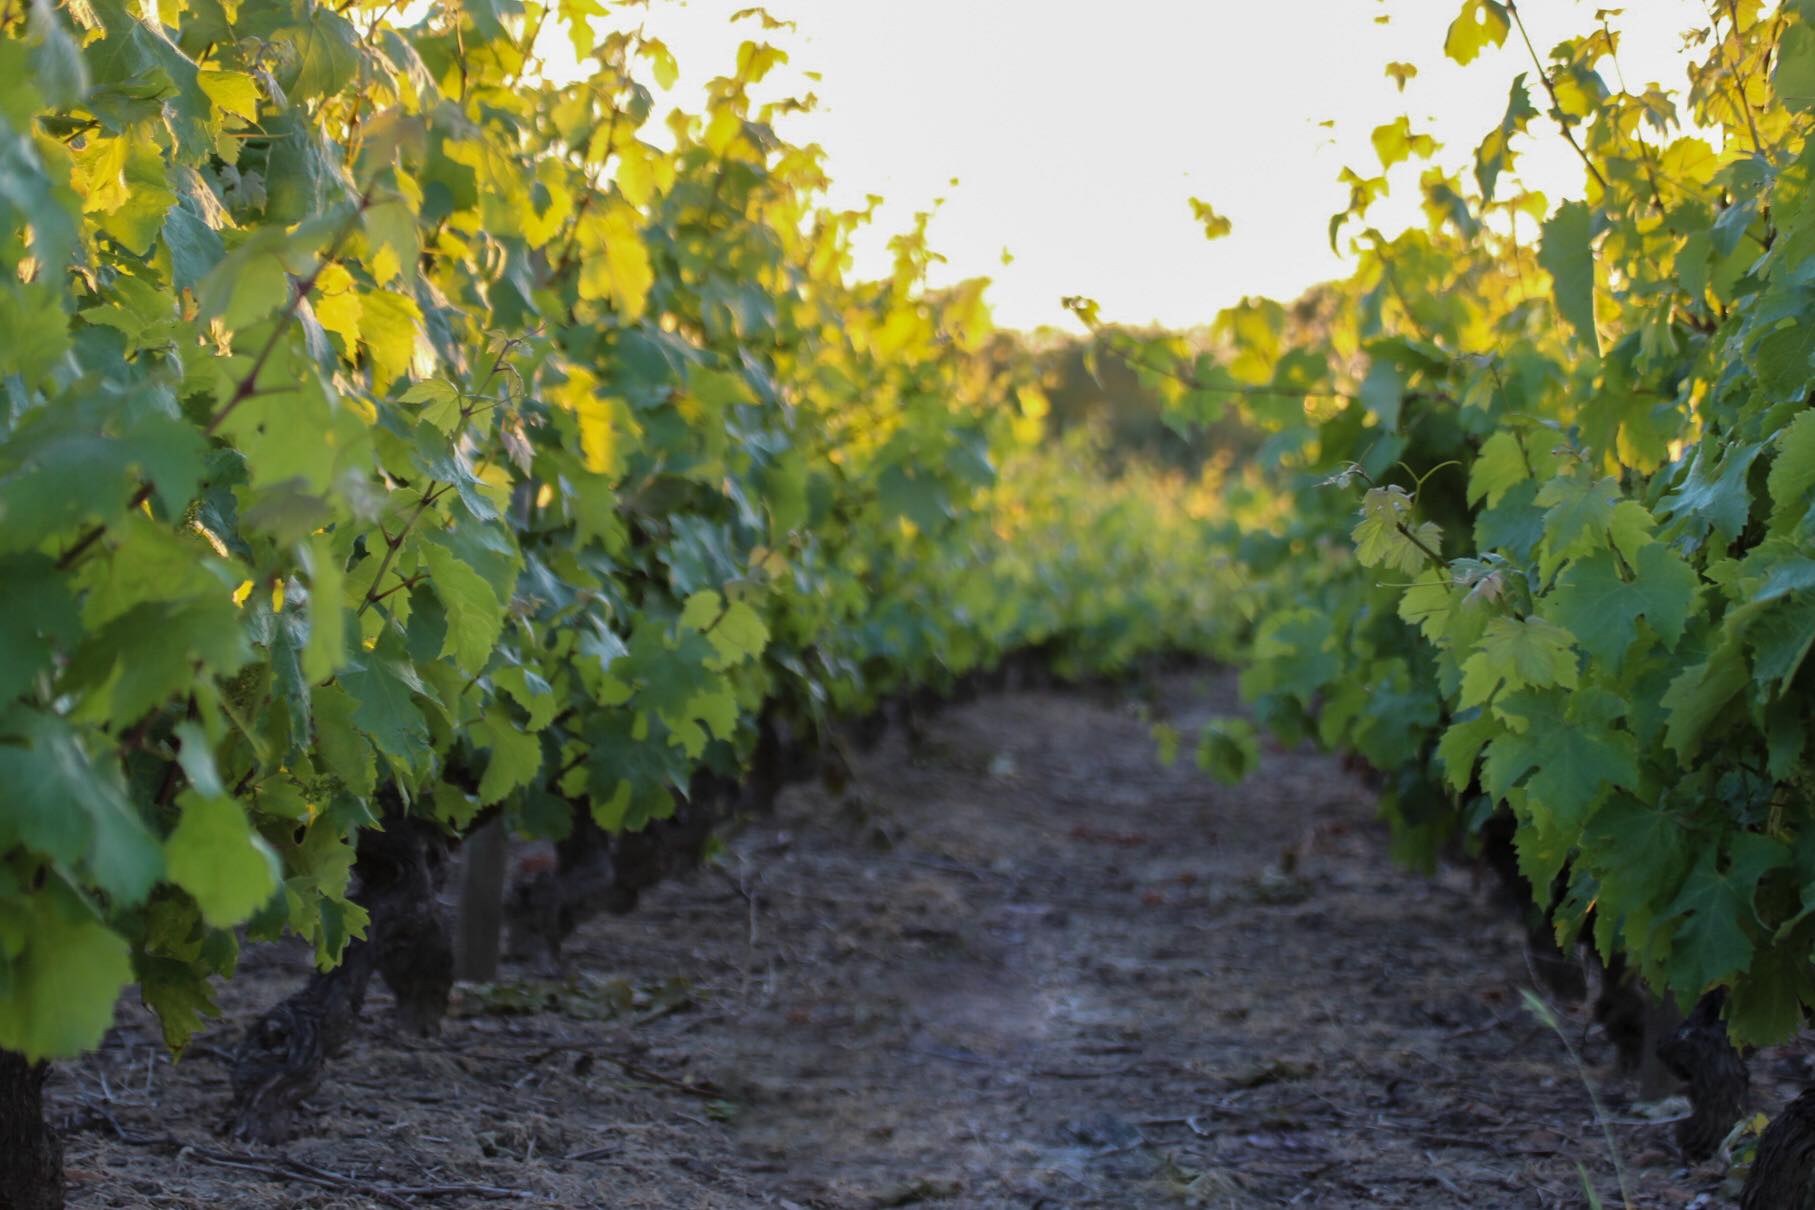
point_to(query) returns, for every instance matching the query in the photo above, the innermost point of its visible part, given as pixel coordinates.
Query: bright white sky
(1077, 130)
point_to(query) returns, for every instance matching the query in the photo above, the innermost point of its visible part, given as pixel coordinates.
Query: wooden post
(476, 941)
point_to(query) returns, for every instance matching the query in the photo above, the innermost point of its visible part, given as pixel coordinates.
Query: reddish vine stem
(433, 492)
(593, 180)
(247, 386)
(404, 584)
(394, 543)
(1407, 533)
(1740, 82)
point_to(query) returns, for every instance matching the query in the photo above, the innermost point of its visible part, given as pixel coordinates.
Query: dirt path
(1017, 965)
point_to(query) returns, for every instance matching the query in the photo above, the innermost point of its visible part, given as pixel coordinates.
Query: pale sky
(1078, 130)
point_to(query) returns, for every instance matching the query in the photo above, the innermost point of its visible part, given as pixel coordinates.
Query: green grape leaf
(1699, 695)
(57, 68)
(320, 870)
(1766, 1004)
(250, 282)
(1793, 469)
(346, 753)
(197, 760)
(1783, 348)
(1579, 512)
(1638, 851)
(441, 403)
(1787, 577)
(475, 616)
(215, 855)
(326, 649)
(65, 984)
(71, 808)
(910, 493)
(1382, 392)
(39, 613)
(1514, 654)
(1515, 526)
(1602, 609)
(1630, 527)
(1713, 907)
(1461, 744)
(530, 691)
(667, 677)
(632, 772)
(1568, 753)
(701, 609)
(516, 757)
(1429, 603)
(325, 51)
(1293, 653)
(1495, 154)
(1228, 749)
(138, 220)
(384, 688)
(1794, 76)
(1498, 467)
(192, 231)
(717, 709)
(179, 995)
(1715, 491)
(739, 635)
(1567, 254)
(1541, 844)
(150, 653)
(1780, 637)
(1387, 537)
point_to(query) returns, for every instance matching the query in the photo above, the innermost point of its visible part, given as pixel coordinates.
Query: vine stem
(247, 386)
(1645, 159)
(594, 175)
(394, 543)
(1406, 531)
(1513, 8)
(1740, 83)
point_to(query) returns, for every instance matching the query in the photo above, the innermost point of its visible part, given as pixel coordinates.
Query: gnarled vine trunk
(31, 1154)
(596, 871)
(281, 1058)
(401, 870)
(1783, 1172)
(1638, 1024)
(1700, 1053)
(1561, 972)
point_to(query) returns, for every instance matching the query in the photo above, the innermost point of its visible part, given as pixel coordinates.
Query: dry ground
(1017, 965)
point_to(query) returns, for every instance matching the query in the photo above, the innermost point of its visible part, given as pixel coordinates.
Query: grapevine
(399, 436)
(1549, 528)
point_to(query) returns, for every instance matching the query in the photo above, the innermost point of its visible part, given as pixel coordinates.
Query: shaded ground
(1017, 965)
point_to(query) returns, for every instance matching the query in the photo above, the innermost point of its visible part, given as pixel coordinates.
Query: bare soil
(1017, 964)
